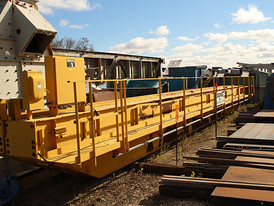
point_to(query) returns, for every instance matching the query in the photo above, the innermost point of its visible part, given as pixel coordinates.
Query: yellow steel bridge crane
(95, 138)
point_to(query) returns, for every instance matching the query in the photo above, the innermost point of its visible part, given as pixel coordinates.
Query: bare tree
(57, 43)
(84, 44)
(91, 48)
(69, 43)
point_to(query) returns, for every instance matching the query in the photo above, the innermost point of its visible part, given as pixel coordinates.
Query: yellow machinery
(73, 133)
(98, 138)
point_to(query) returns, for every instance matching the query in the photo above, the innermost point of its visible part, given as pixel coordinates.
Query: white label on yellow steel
(220, 98)
(39, 86)
(71, 63)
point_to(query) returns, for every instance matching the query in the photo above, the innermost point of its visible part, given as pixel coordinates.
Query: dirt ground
(128, 186)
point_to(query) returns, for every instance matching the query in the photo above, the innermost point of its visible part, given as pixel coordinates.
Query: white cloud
(218, 26)
(183, 38)
(181, 55)
(76, 26)
(217, 36)
(227, 54)
(252, 16)
(161, 31)
(258, 47)
(63, 23)
(261, 35)
(47, 6)
(45, 10)
(140, 45)
(206, 43)
(188, 47)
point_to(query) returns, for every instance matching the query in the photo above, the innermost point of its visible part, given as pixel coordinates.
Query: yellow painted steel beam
(3, 118)
(62, 139)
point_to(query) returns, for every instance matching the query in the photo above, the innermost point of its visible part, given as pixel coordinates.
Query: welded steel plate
(266, 113)
(247, 175)
(256, 131)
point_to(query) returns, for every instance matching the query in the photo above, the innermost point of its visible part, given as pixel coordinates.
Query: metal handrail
(123, 106)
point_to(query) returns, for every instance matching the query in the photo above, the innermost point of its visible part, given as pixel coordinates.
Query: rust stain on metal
(144, 107)
(167, 107)
(99, 96)
(147, 111)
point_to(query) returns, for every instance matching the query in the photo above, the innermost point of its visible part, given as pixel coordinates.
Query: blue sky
(212, 32)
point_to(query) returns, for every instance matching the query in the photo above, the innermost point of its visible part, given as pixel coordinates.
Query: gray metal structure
(188, 71)
(268, 68)
(261, 72)
(115, 65)
(24, 36)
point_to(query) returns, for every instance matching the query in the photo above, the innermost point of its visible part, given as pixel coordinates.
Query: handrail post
(160, 105)
(215, 104)
(232, 85)
(214, 93)
(116, 110)
(77, 123)
(248, 86)
(253, 86)
(224, 90)
(239, 90)
(122, 116)
(244, 88)
(184, 100)
(91, 124)
(201, 82)
(223, 83)
(125, 109)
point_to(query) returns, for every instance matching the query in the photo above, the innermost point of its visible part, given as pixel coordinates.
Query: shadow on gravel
(60, 189)
(57, 191)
